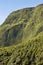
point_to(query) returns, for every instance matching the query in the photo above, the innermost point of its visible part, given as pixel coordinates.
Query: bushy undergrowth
(21, 25)
(22, 32)
(28, 53)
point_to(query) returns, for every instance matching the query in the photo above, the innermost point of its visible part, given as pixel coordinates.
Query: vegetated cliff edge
(25, 29)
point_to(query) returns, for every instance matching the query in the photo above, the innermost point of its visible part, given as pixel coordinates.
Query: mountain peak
(20, 22)
(24, 30)
(40, 5)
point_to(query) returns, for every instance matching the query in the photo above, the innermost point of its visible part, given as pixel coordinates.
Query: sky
(7, 6)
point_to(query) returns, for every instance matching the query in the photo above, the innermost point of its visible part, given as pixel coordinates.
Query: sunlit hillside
(21, 37)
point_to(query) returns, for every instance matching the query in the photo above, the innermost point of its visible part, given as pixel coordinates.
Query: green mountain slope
(21, 37)
(21, 26)
(12, 29)
(29, 53)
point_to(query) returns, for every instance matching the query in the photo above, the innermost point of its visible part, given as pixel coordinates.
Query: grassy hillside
(12, 29)
(21, 25)
(29, 53)
(21, 37)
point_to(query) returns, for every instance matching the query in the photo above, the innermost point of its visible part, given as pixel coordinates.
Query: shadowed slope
(21, 26)
(29, 53)
(25, 29)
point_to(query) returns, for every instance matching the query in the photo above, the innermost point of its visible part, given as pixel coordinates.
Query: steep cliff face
(22, 31)
(28, 53)
(22, 25)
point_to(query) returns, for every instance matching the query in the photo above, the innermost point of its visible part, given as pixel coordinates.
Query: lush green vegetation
(22, 32)
(21, 25)
(29, 53)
